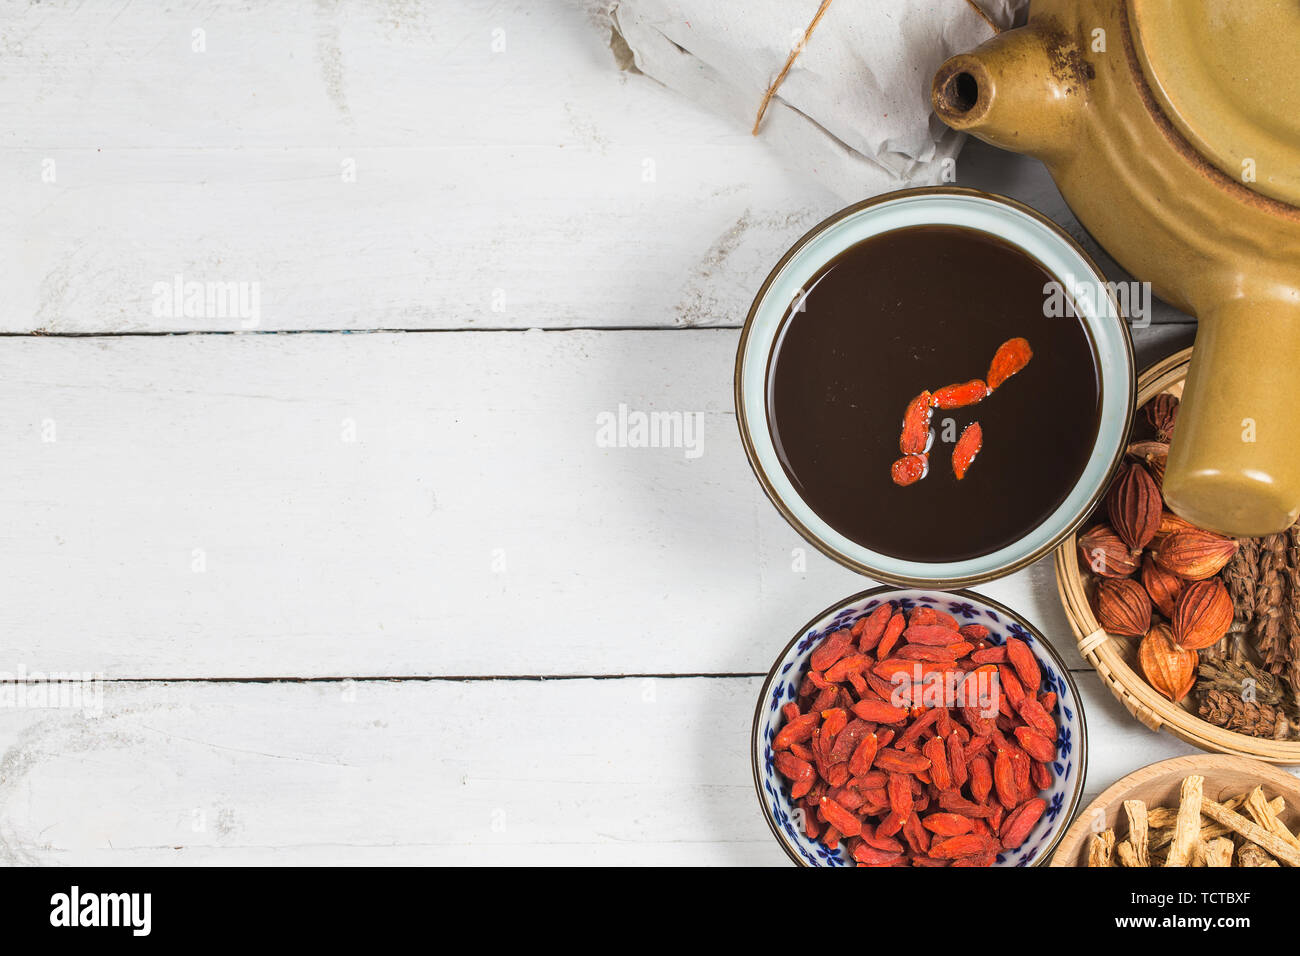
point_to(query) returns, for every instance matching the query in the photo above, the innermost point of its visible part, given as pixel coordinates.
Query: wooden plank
(395, 504)
(506, 173)
(626, 771)
(370, 166)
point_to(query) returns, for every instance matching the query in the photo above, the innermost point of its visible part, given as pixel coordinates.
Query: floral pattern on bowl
(782, 686)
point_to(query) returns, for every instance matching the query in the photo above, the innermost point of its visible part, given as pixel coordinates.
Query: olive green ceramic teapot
(1172, 128)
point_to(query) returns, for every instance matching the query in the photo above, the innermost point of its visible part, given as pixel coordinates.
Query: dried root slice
(1138, 834)
(1162, 819)
(1217, 852)
(1101, 849)
(1187, 829)
(1261, 812)
(1250, 855)
(1279, 848)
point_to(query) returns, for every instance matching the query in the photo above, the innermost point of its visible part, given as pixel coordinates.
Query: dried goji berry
(835, 646)
(870, 628)
(924, 614)
(959, 396)
(846, 741)
(919, 725)
(834, 720)
(974, 632)
(936, 635)
(1036, 744)
(1041, 775)
(947, 654)
(890, 825)
(1011, 356)
(900, 761)
(948, 824)
(795, 731)
(1010, 685)
(981, 777)
(873, 857)
(841, 669)
(1026, 665)
(872, 838)
(968, 844)
(938, 754)
(916, 425)
(956, 760)
(839, 818)
(890, 636)
(1034, 715)
(799, 772)
(1004, 780)
(863, 755)
(879, 712)
(909, 469)
(1016, 827)
(967, 447)
(990, 655)
(899, 789)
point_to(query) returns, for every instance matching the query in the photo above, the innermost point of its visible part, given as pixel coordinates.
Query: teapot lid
(1224, 73)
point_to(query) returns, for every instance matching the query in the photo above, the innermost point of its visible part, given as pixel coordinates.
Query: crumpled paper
(854, 109)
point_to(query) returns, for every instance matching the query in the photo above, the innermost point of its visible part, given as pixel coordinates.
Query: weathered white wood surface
(182, 509)
(630, 771)
(504, 173)
(395, 504)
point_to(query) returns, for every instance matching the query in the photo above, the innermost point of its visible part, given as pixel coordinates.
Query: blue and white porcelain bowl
(782, 686)
(1023, 228)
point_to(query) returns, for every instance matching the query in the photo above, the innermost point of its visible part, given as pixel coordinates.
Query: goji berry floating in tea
(902, 749)
(898, 345)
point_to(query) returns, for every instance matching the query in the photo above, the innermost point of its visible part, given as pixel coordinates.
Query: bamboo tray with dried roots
(1115, 657)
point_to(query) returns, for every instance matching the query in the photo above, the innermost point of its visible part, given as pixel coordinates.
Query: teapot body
(1069, 88)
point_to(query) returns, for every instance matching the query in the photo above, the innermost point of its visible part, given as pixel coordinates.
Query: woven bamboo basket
(1157, 785)
(1115, 657)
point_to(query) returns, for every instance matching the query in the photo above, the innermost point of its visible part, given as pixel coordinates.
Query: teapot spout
(1021, 91)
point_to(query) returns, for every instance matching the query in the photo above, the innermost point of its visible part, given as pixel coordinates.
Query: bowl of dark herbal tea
(935, 386)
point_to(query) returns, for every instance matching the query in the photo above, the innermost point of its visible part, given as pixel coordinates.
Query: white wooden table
(383, 597)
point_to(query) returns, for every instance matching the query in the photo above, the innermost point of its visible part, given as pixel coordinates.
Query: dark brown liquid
(920, 308)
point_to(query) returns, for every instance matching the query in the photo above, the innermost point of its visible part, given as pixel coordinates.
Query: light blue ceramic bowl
(1023, 228)
(782, 685)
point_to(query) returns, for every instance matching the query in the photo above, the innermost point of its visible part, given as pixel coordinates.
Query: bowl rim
(1187, 764)
(1068, 813)
(742, 422)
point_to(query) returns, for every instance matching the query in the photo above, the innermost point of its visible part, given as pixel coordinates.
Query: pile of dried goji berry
(917, 785)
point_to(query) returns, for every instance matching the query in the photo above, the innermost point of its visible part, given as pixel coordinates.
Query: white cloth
(854, 110)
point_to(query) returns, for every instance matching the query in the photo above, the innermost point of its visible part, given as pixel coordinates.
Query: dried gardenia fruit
(1122, 607)
(1163, 586)
(1162, 412)
(1169, 523)
(1170, 669)
(1203, 614)
(1103, 552)
(1194, 554)
(1154, 455)
(1135, 506)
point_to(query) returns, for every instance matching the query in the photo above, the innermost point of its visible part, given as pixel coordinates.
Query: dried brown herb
(1232, 713)
(1243, 680)
(1240, 575)
(1292, 616)
(1268, 628)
